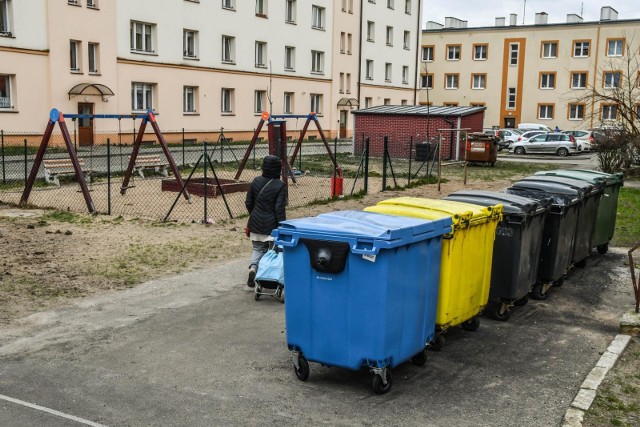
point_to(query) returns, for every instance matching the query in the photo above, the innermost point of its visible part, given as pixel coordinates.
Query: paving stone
(584, 399)
(619, 343)
(595, 377)
(573, 418)
(607, 360)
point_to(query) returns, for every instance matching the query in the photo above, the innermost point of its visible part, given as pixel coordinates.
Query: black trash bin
(516, 250)
(588, 213)
(559, 230)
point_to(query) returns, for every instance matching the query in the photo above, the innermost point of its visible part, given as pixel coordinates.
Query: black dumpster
(425, 151)
(588, 213)
(516, 251)
(559, 230)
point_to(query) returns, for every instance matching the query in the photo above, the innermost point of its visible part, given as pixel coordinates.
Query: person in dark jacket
(266, 202)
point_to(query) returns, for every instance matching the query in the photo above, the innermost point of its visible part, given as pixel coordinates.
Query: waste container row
(373, 288)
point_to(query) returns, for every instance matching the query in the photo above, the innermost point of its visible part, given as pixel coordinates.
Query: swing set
(57, 117)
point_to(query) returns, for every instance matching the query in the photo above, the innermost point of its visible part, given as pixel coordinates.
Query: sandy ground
(49, 258)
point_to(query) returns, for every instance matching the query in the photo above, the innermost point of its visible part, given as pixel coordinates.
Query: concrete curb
(587, 393)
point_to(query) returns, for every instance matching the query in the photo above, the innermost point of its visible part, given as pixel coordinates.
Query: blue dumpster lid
(512, 204)
(354, 226)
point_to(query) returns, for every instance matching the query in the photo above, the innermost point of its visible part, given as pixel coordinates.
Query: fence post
(300, 158)
(335, 170)
(4, 166)
(108, 176)
(75, 141)
(366, 165)
(410, 155)
(384, 163)
(206, 160)
(254, 153)
(25, 162)
(183, 162)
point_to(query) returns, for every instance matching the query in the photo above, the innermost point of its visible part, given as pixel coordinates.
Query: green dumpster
(608, 207)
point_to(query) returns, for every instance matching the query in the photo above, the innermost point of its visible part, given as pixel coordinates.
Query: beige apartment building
(540, 73)
(204, 64)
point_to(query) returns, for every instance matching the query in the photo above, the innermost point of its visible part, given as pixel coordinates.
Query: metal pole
(254, 157)
(410, 155)
(206, 184)
(183, 162)
(439, 159)
(4, 166)
(335, 169)
(75, 140)
(466, 148)
(366, 165)
(108, 176)
(300, 159)
(25, 162)
(384, 163)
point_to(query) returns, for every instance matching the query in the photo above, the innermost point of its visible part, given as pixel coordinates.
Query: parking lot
(196, 349)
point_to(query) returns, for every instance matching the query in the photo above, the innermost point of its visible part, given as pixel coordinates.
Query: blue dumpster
(362, 290)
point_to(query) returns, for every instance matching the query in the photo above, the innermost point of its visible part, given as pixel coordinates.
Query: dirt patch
(51, 257)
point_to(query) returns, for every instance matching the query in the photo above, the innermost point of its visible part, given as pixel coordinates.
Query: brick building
(405, 123)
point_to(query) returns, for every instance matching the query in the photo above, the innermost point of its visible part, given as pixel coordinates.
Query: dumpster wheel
(472, 324)
(540, 291)
(420, 358)
(522, 301)
(437, 342)
(301, 368)
(378, 383)
(501, 312)
(603, 249)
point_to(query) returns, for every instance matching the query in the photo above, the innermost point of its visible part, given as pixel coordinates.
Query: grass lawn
(628, 219)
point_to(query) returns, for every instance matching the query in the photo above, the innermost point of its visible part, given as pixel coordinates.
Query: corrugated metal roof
(420, 110)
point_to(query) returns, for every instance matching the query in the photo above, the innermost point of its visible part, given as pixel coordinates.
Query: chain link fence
(153, 192)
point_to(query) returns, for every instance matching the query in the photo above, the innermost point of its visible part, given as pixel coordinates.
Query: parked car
(507, 136)
(534, 126)
(556, 143)
(529, 134)
(584, 138)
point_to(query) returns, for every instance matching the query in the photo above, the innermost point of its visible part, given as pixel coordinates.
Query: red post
(132, 158)
(37, 161)
(167, 154)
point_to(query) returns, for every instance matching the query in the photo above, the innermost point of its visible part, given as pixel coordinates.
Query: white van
(534, 126)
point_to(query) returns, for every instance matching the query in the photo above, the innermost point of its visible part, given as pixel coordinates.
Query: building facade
(543, 73)
(203, 64)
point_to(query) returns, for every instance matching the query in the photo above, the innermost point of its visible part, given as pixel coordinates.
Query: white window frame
(6, 98)
(406, 43)
(288, 103)
(317, 62)
(389, 35)
(428, 52)
(318, 17)
(579, 47)
(576, 111)
(261, 8)
(146, 43)
(144, 89)
(229, 4)
(609, 109)
(548, 51)
(426, 81)
(547, 81)
(290, 11)
(479, 81)
(514, 54)
(453, 52)
(371, 31)
(189, 99)
(348, 84)
(259, 101)
(405, 75)
(75, 56)
(407, 7)
(5, 18)
(226, 100)
(388, 71)
(609, 83)
(390, 4)
(289, 58)
(93, 55)
(369, 69)
(548, 111)
(511, 98)
(618, 44)
(92, 4)
(316, 103)
(343, 42)
(189, 44)
(483, 48)
(582, 81)
(349, 43)
(261, 54)
(368, 102)
(452, 81)
(228, 49)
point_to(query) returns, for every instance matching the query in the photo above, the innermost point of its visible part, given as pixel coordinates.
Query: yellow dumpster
(467, 254)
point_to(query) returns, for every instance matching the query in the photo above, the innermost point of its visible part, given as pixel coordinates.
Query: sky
(481, 13)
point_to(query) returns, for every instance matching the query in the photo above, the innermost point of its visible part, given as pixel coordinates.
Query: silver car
(556, 143)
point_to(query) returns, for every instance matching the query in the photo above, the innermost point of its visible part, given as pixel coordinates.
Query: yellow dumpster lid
(462, 214)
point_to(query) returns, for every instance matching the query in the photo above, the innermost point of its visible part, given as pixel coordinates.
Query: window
(317, 62)
(5, 27)
(513, 53)
(341, 82)
(228, 49)
(581, 49)
(290, 12)
(615, 47)
(511, 99)
(141, 96)
(612, 79)
(317, 17)
(609, 112)
(453, 52)
(426, 81)
(261, 8)
(94, 57)
(350, 8)
(348, 84)
(389, 36)
(479, 81)
(387, 72)
(74, 2)
(387, 101)
(259, 101)
(545, 111)
(142, 37)
(427, 53)
(450, 104)
(371, 28)
(349, 43)
(92, 4)
(343, 39)
(480, 52)
(5, 91)
(74, 55)
(390, 4)
(226, 106)
(261, 54)
(288, 103)
(289, 58)
(189, 42)
(406, 40)
(477, 104)
(576, 111)
(369, 70)
(451, 81)
(229, 4)
(579, 80)
(189, 99)
(316, 103)
(407, 7)
(405, 75)
(637, 111)
(368, 102)
(547, 80)
(404, 102)
(549, 50)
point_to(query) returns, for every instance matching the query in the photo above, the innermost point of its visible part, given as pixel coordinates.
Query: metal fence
(364, 166)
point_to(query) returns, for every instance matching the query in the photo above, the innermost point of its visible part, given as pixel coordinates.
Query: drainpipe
(418, 43)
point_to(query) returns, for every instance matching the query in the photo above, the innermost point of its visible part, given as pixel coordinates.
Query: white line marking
(50, 411)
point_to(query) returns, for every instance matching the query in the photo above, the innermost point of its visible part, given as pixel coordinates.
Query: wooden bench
(54, 168)
(150, 161)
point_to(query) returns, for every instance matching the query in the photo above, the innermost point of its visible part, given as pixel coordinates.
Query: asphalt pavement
(197, 350)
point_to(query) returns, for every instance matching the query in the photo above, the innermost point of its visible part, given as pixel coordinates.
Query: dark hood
(271, 167)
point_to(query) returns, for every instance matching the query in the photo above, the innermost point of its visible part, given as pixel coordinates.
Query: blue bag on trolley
(271, 268)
